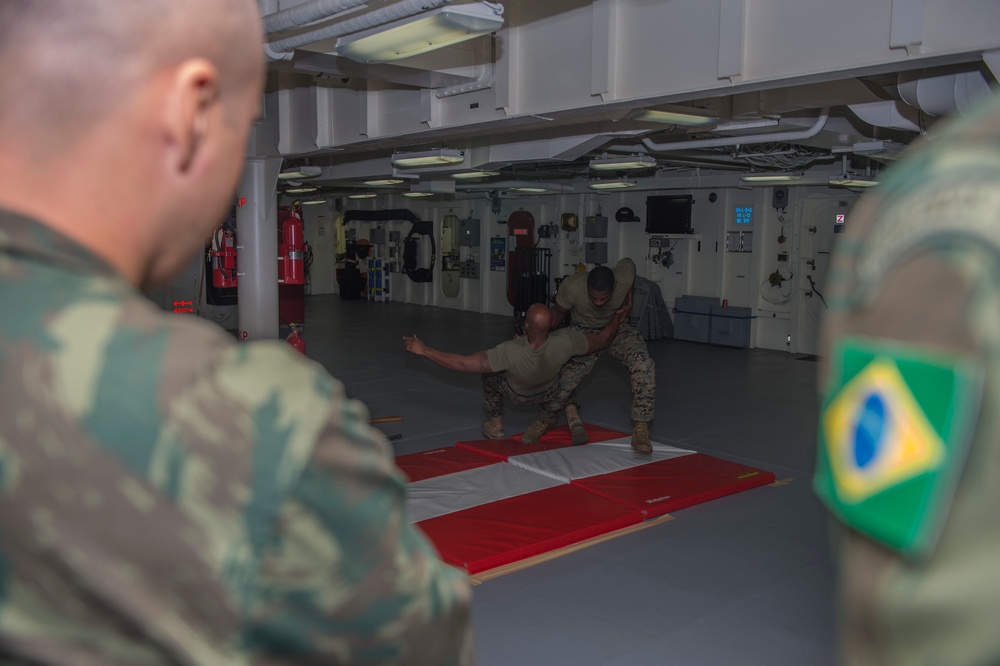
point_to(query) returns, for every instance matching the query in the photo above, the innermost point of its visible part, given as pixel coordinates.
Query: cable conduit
(817, 127)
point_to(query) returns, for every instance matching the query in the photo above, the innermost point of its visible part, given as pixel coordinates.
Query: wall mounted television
(669, 214)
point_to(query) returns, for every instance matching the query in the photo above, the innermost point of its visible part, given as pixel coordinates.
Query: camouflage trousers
(629, 348)
(550, 402)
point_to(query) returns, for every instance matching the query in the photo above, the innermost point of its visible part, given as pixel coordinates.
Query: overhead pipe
(277, 49)
(295, 17)
(817, 127)
(939, 95)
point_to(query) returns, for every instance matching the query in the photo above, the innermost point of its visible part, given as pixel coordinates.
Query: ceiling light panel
(623, 163)
(298, 173)
(688, 117)
(474, 174)
(612, 184)
(437, 157)
(425, 32)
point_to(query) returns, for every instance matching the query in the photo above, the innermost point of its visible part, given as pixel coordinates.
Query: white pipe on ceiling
(300, 15)
(940, 95)
(888, 113)
(721, 142)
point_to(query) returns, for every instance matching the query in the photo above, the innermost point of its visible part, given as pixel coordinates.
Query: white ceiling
(840, 85)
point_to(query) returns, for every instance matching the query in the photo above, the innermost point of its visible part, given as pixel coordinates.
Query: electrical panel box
(394, 236)
(731, 326)
(596, 253)
(468, 235)
(469, 269)
(739, 241)
(693, 317)
(596, 227)
(377, 236)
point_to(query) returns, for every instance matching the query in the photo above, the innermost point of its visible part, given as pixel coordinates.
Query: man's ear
(194, 97)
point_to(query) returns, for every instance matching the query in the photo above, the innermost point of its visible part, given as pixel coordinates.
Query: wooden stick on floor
(385, 419)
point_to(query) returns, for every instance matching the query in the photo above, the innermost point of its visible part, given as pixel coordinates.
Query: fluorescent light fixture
(383, 181)
(852, 181)
(622, 163)
(418, 34)
(612, 184)
(362, 195)
(770, 177)
(530, 190)
(298, 173)
(303, 189)
(312, 202)
(415, 195)
(675, 115)
(436, 157)
(474, 174)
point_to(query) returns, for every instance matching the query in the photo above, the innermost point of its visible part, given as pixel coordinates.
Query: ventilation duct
(942, 94)
(888, 113)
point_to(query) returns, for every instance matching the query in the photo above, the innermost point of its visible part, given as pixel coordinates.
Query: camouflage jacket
(169, 496)
(909, 432)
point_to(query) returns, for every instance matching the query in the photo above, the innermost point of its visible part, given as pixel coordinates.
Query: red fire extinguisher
(295, 340)
(291, 251)
(224, 258)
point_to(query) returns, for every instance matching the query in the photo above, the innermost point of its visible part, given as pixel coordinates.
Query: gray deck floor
(745, 579)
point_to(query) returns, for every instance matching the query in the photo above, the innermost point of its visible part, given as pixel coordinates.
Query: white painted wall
(702, 266)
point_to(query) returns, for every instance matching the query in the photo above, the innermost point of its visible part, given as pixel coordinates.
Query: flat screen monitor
(669, 214)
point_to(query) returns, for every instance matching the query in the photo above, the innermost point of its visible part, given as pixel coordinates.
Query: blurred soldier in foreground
(909, 432)
(168, 496)
(526, 370)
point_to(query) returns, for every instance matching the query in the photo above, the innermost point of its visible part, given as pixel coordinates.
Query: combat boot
(576, 430)
(493, 428)
(640, 437)
(534, 432)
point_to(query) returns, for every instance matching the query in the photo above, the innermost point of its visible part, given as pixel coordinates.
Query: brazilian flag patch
(894, 433)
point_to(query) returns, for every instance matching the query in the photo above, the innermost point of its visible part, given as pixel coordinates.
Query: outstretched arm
(477, 362)
(598, 341)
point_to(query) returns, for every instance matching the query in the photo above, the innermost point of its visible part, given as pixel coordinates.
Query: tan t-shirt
(531, 371)
(573, 296)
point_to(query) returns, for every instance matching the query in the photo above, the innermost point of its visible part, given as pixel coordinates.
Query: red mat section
(438, 462)
(669, 485)
(513, 529)
(556, 438)
(492, 535)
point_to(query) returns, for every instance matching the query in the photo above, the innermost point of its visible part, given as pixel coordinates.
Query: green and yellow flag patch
(894, 432)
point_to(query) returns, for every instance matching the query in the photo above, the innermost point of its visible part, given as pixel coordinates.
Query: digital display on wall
(744, 214)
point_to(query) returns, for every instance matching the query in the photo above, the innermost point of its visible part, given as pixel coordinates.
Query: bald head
(80, 58)
(538, 317)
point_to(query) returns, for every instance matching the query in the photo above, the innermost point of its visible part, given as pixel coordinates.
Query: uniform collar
(31, 239)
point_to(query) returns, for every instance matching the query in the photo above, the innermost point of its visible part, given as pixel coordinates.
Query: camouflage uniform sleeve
(913, 272)
(347, 578)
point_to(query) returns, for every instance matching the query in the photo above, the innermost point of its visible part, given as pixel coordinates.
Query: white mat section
(446, 494)
(579, 462)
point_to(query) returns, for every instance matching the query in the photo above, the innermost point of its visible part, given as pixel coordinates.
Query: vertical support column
(257, 249)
